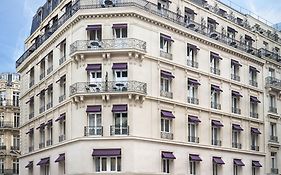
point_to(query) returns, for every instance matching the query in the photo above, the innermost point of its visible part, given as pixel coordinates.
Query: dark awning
(253, 69)
(60, 158)
(93, 27)
(167, 114)
(256, 164)
(237, 127)
(93, 108)
(236, 93)
(41, 92)
(218, 160)
(190, 11)
(194, 157)
(106, 152)
(60, 118)
(93, 67)
(210, 20)
(42, 126)
(166, 74)
(232, 30)
(234, 62)
(254, 99)
(119, 26)
(217, 123)
(29, 165)
(30, 131)
(49, 123)
(44, 161)
(193, 119)
(119, 108)
(215, 56)
(193, 81)
(119, 66)
(168, 155)
(63, 78)
(238, 162)
(216, 88)
(31, 99)
(247, 37)
(194, 47)
(255, 131)
(166, 37)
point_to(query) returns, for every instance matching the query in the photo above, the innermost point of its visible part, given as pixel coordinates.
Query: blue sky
(16, 17)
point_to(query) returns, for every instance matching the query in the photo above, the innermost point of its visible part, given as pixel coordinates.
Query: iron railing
(193, 139)
(216, 142)
(118, 130)
(166, 55)
(31, 83)
(235, 77)
(42, 145)
(41, 109)
(6, 124)
(42, 75)
(215, 71)
(236, 145)
(236, 110)
(273, 82)
(192, 63)
(255, 148)
(273, 139)
(15, 148)
(215, 105)
(272, 109)
(108, 44)
(264, 53)
(49, 142)
(93, 131)
(108, 87)
(9, 171)
(61, 138)
(50, 69)
(9, 103)
(3, 147)
(62, 97)
(166, 94)
(62, 60)
(31, 115)
(274, 171)
(167, 135)
(253, 83)
(254, 115)
(193, 100)
(49, 105)
(30, 148)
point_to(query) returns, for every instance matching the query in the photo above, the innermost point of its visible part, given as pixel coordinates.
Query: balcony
(9, 103)
(30, 148)
(166, 135)
(236, 145)
(62, 98)
(42, 145)
(274, 171)
(6, 124)
(193, 100)
(253, 83)
(193, 139)
(215, 71)
(166, 94)
(62, 60)
(272, 109)
(235, 77)
(41, 109)
(264, 53)
(3, 147)
(255, 148)
(192, 63)
(273, 83)
(215, 105)
(236, 110)
(31, 83)
(118, 130)
(49, 142)
(49, 105)
(254, 115)
(42, 75)
(61, 138)
(216, 142)
(50, 69)
(9, 171)
(93, 131)
(117, 44)
(273, 139)
(166, 55)
(15, 148)
(31, 115)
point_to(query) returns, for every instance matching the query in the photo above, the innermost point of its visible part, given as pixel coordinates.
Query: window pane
(98, 164)
(103, 164)
(113, 163)
(118, 163)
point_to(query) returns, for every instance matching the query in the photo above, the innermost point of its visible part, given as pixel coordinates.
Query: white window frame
(118, 74)
(215, 133)
(95, 126)
(165, 45)
(253, 75)
(95, 35)
(165, 84)
(192, 129)
(123, 116)
(166, 125)
(192, 90)
(235, 136)
(120, 32)
(192, 167)
(215, 96)
(109, 167)
(273, 157)
(166, 165)
(95, 76)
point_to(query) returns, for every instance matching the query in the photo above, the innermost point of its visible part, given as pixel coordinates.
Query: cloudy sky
(16, 16)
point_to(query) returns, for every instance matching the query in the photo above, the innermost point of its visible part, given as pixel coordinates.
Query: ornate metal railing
(61, 138)
(254, 115)
(274, 170)
(215, 105)
(216, 142)
(273, 82)
(9, 102)
(6, 124)
(235, 77)
(193, 100)
(236, 145)
(236, 110)
(166, 94)
(167, 135)
(268, 54)
(193, 139)
(93, 131)
(192, 63)
(255, 148)
(272, 109)
(118, 130)
(108, 87)
(166, 55)
(108, 44)
(273, 139)
(253, 83)
(215, 71)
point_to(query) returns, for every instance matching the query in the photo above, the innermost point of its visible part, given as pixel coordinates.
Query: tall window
(31, 107)
(273, 132)
(31, 77)
(191, 51)
(16, 142)
(108, 164)
(120, 123)
(50, 96)
(16, 166)
(94, 124)
(231, 33)
(273, 162)
(42, 68)
(42, 101)
(254, 106)
(62, 82)
(94, 32)
(2, 165)
(62, 131)
(49, 133)
(16, 96)
(254, 139)
(272, 103)
(3, 101)
(95, 73)
(211, 25)
(215, 63)
(50, 62)
(193, 91)
(215, 97)
(31, 140)
(2, 119)
(16, 120)
(216, 126)
(271, 72)
(253, 76)
(42, 137)
(236, 102)
(162, 5)
(193, 122)
(235, 66)
(236, 129)
(120, 30)
(189, 15)
(165, 43)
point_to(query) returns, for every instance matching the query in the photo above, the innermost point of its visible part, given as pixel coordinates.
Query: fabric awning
(93, 27)
(167, 114)
(119, 66)
(44, 161)
(217, 123)
(194, 157)
(216, 88)
(30, 131)
(254, 69)
(193, 81)
(168, 155)
(119, 26)
(236, 93)
(234, 62)
(166, 74)
(93, 108)
(247, 37)
(41, 92)
(49, 123)
(232, 30)
(193, 119)
(119, 108)
(238, 162)
(42, 126)
(31, 99)
(61, 117)
(215, 56)
(29, 165)
(166, 37)
(255, 131)
(256, 164)
(189, 11)
(218, 160)
(194, 47)
(63, 78)
(212, 21)
(93, 67)
(60, 158)
(254, 99)
(237, 127)
(106, 152)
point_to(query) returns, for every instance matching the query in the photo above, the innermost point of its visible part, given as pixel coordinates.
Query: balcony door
(121, 123)
(94, 124)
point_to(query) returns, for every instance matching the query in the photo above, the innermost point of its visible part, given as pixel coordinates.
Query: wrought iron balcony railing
(215, 71)
(31, 115)
(62, 60)
(61, 138)
(108, 87)
(215, 105)
(166, 94)
(193, 100)
(264, 53)
(167, 135)
(216, 142)
(274, 171)
(9, 103)
(49, 142)
(50, 69)
(253, 83)
(273, 82)
(108, 44)
(193, 139)
(49, 105)
(192, 63)
(236, 145)
(3, 147)
(42, 75)
(236, 110)
(166, 55)
(42, 145)
(254, 115)
(41, 109)
(31, 83)
(9, 171)
(62, 98)
(30, 148)
(255, 148)
(118, 130)
(15, 148)
(272, 109)
(235, 77)
(273, 139)
(93, 131)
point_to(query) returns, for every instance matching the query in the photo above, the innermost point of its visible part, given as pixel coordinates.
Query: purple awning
(195, 48)
(217, 123)
(256, 164)
(49, 123)
(218, 160)
(215, 56)
(119, 66)
(44, 161)
(119, 108)
(168, 155)
(93, 67)
(212, 21)
(254, 99)
(253, 69)
(106, 152)
(60, 158)
(234, 62)
(31, 99)
(193, 81)
(30, 131)
(236, 93)
(255, 131)
(29, 165)
(216, 88)
(247, 37)
(42, 126)
(194, 157)
(94, 108)
(167, 114)
(61, 117)
(94, 27)
(193, 119)
(237, 127)
(166, 37)
(119, 26)
(232, 30)
(238, 162)
(166, 74)
(189, 11)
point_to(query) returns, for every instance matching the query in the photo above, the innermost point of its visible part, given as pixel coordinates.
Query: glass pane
(98, 164)
(113, 163)
(103, 164)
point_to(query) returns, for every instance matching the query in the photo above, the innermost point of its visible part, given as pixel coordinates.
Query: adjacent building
(149, 87)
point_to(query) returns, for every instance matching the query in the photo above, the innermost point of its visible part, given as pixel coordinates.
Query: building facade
(149, 87)
(9, 123)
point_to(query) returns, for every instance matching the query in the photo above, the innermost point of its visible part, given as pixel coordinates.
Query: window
(31, 107)
(162, 5)
(191, 51)
(273, 162)
(31, 77)
(192, 91)
(254, 139)
(165, 84)
(211, 25)
(165, 43)
(253, 76)
(16, 142)
(42, 101)
(235, 170)
(50, 62)
(265, 45)
(95, 127)
(50, 96)
(249, 42)
(16, 100)
(166, 165)
(215, 63)
(42, 68)
(194, 159)
(166, 125)
(108, 164)
(63, 49)
(42, 138)
(193, 122)
(94, 32)
(2, 118)
(273, 132)
(120, 30)
(49, 133)
(272, 103)
(95, 76)
(254, 106)
(235, 66)
(216, 125)
(231, 33)
(16, 120)
(31, 140)
(192, 167)
(189, 15)
(215, 169)
(121, 75)
(45, 170)
(215, 97)
(62, 82)
(62, 131)
(16, 166)
(2, 165)
(236, 102)
(271, 72)
(120, 123)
